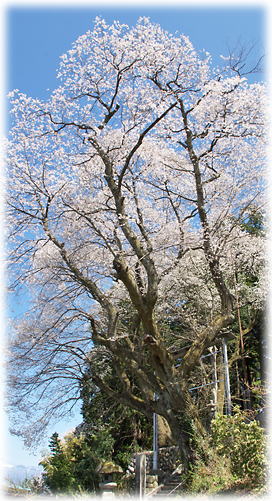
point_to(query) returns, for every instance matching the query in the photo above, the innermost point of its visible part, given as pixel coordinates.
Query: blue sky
(38, 36)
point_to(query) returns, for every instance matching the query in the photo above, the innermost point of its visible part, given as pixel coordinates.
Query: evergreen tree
(58, 476)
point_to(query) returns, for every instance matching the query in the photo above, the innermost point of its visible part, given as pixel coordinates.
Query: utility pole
(155, 441)
(213, 350)
(227, 380)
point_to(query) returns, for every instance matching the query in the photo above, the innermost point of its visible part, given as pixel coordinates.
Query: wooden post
(140, 475)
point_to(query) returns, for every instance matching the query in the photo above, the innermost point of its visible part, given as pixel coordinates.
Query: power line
(207, 384)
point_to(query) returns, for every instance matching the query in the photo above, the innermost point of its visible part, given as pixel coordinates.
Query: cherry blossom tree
(127, 190)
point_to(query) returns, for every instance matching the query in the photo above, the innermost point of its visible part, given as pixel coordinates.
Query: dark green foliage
(86, 454)
(253, 223)
(247, 351)
(111, 432)
(58, 476)
(72, 464)
(129, 430)
(247, 366)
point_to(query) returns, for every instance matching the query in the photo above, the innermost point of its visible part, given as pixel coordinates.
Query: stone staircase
(169, 487)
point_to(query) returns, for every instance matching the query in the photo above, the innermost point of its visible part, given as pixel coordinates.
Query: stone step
(168, 487)
(166, 493)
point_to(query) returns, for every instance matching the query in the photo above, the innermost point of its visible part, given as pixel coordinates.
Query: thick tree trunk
(185, 436)
(181, 415)
(165, 437)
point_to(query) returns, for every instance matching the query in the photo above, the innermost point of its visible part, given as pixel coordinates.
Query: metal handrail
(173, 490)
(155, 490)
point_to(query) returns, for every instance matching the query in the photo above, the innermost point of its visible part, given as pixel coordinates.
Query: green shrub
(232, 460)
(211, 475)
(243, 442)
